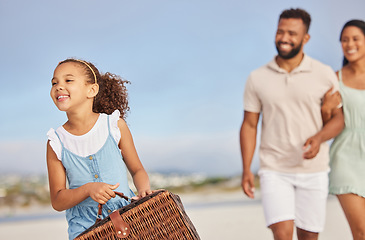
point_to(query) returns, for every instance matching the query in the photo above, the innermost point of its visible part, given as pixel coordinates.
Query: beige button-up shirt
(290, 104)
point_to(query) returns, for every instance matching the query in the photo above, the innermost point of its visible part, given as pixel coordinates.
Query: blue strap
(59, 138)
(108, 125)
(110, 134)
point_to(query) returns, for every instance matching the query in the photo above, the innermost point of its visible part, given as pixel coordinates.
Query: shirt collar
(304, 66)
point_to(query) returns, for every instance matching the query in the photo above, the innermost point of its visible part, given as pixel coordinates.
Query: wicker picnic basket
(158, 216)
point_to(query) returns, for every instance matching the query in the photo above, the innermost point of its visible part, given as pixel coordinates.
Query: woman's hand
(311, 147)
(330, 103)
(331, 100)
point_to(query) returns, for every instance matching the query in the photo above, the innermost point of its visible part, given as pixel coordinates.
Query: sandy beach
(224, 215)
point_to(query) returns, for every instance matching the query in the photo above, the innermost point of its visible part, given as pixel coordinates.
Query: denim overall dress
(106, 165)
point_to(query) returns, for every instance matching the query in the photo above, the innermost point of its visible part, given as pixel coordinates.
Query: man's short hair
(297, 13)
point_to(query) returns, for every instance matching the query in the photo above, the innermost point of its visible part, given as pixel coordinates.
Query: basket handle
(99, 216)
(121, 228)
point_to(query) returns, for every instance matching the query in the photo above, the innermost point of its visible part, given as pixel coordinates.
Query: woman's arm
(331, 129)
(330, 103)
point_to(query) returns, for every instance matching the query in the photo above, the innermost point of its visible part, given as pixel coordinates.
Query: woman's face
(353, 43)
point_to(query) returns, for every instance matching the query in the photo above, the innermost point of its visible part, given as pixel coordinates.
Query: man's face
(290, 37)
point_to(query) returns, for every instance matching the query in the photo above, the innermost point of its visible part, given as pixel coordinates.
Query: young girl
(93, 148)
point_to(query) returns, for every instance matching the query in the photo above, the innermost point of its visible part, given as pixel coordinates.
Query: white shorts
(291, 196)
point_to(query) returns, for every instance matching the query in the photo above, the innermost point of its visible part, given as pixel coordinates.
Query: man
(293, 151)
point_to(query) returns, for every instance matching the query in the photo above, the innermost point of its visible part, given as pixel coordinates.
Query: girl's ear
(93, 90)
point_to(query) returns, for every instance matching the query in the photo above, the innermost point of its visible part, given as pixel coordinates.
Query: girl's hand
(142, 194)
(101, 192)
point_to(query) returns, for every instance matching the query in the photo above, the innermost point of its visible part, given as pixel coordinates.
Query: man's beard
(290, 54)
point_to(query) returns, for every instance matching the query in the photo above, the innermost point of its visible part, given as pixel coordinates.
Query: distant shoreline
(191, 201)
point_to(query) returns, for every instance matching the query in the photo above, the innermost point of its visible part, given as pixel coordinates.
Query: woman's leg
(354, 209)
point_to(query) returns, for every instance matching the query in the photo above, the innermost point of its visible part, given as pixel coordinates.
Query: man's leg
(277, 195)
(283, 230)
(310, 206)
(305, 235)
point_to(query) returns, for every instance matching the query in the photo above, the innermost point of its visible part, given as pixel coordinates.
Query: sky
(187, 61)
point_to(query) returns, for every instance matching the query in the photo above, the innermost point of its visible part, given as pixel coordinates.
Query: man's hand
(248, 184)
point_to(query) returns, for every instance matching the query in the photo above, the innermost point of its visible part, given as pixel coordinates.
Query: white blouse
(90, 142)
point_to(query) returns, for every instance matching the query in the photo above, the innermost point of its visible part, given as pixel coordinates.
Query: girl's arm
(132, 161)
(63, 198)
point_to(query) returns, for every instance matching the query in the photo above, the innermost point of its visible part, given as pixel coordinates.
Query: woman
(347, 176)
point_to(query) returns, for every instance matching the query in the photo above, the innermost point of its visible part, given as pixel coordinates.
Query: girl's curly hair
(112, 89)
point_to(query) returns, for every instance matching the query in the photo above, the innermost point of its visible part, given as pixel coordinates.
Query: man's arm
(331, 129)
(248, 134)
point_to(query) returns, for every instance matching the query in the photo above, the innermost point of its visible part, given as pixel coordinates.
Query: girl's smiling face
(70, 89)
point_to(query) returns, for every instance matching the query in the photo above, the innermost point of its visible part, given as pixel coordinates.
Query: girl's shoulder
(54, 134)
(113, 123)
(54, 142)
(115, 116)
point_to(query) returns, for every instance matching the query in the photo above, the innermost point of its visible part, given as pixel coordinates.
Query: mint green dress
(347, 152)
